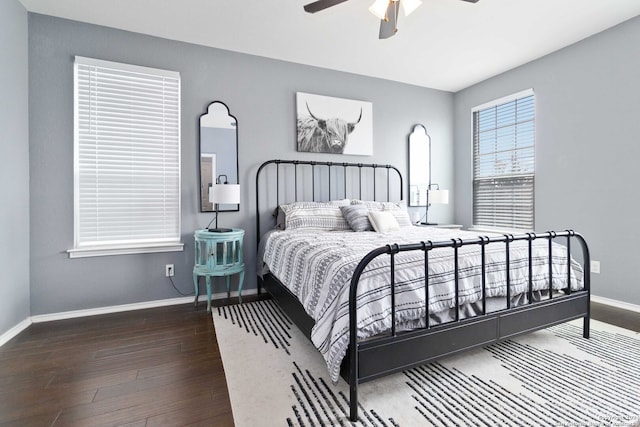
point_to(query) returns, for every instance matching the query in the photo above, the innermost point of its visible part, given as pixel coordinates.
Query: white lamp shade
(440, 197)
(410, 5)
(379, 8)
(224, 194)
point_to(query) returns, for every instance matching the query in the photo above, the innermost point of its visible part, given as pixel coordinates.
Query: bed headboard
(285, 181)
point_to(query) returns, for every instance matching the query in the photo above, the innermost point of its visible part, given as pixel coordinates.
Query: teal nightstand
(218, 254)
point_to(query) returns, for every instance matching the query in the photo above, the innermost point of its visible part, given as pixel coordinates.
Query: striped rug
(547, 378)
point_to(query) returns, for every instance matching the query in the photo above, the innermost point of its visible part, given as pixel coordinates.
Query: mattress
(317, 266)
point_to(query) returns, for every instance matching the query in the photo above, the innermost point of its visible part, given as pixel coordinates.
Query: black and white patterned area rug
(552, 377)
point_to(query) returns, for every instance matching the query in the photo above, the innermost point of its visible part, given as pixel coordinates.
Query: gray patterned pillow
(356, 216)
(315, 215)
(398, 210)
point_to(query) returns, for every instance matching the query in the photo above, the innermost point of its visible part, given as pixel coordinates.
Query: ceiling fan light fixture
(385, 10)
(410, 6)
(379, 8)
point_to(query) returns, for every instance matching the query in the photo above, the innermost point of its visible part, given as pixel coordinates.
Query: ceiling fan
(386, 10)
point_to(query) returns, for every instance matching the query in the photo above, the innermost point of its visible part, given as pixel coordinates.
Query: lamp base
(219, 230)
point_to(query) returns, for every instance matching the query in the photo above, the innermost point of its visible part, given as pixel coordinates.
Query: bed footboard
(377, 357)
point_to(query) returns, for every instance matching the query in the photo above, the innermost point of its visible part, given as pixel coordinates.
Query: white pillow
(383, 221)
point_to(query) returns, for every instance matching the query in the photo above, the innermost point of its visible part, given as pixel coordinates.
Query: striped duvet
(317, 267)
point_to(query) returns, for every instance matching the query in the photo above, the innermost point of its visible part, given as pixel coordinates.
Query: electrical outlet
(169, 271)
(595, 267)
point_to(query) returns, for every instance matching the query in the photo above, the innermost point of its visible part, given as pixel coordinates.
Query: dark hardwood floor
(156, 367)
(615, 316)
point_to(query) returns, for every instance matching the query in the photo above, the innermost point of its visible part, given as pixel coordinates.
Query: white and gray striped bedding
(317, 268)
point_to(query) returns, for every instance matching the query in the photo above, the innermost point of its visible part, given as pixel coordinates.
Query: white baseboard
(615, 303)
(4, 338)
(130, 307)
(106, 310)
(7, 336)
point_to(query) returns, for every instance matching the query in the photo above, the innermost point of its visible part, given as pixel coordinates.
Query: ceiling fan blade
(319, 5)
(471, 1)
(388, 26)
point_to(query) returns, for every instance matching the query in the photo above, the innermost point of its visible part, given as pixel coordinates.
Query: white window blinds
(504, 163)
(127, 154)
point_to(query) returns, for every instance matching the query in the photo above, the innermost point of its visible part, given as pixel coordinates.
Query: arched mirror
(419, 165)
(218, 153)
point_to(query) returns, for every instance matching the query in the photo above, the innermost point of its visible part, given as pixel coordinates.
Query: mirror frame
(221, 208)
(416, 137)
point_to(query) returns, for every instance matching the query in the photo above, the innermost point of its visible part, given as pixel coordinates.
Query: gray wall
(259, 92)
(14, 173)
(587, 148)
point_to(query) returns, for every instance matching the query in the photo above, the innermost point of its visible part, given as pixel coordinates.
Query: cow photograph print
(334, 125)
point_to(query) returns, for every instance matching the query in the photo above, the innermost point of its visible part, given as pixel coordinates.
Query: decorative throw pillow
(383, 221)
(398, 210)
(315, 215)
(356, 216)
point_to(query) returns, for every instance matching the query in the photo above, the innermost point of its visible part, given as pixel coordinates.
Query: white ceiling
(444, 44)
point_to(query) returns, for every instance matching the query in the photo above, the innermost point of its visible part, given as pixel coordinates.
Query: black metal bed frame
(398, 351)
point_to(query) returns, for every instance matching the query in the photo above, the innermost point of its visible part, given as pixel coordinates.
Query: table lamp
(222, 193)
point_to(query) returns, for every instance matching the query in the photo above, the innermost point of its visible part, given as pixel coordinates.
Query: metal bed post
(344, 177)
(586, 260)
(295, 177)
(360, 181)
(530, 238)
(353, 332)
(329, 174)
(387, 166)
(313, 181)
(569, 261)
(551, 236)
(507, 241)
(278, 183)
(374, 182)
(426, 247)
(393, 250)
(457, 243)
(484, 241)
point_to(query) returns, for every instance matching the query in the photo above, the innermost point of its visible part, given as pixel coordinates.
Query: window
(126, 159)
(503, 163)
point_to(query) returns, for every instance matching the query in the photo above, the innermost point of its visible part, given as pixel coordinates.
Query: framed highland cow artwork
(334, 125)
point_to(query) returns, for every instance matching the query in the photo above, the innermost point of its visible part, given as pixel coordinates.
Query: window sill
(125, 250)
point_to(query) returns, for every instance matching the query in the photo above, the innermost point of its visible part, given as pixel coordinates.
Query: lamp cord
(178, 290)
